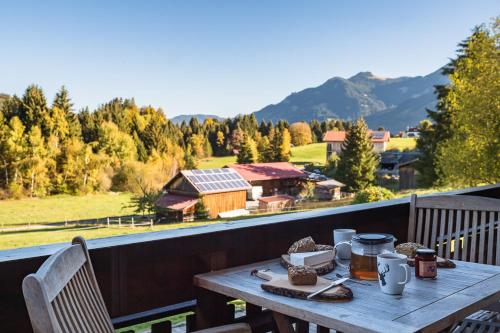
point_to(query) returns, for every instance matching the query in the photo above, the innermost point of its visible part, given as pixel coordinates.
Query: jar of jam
(426, 264)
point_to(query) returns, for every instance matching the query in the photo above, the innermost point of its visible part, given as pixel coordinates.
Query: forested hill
(393, 103)
(3, 97)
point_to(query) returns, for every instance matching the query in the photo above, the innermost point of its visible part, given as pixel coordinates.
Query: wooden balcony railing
(150, 275)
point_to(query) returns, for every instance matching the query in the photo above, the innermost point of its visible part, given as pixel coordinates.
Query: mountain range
(392, 103)
(187, 117)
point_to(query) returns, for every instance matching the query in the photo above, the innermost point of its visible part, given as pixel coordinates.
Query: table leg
(212, 309)
(283, 322)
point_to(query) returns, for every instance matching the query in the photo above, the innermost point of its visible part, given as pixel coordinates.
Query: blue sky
(222, 57)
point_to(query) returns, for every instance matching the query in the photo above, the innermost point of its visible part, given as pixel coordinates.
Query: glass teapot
(364, 251)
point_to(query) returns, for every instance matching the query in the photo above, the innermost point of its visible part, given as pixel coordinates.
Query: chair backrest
(457, 226)
(63, 295)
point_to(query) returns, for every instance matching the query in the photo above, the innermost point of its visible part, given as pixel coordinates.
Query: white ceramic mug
(341, 241)
(393, 273)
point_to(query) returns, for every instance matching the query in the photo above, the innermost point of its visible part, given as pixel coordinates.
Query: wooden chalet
(221, 190)
(276, 203)
(328, 190)
(273, 178)
(335, 139)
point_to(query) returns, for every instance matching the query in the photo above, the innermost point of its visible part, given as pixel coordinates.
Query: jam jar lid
(373, 239)
(426, 251)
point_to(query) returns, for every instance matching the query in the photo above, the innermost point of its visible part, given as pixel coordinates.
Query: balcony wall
(149, 271)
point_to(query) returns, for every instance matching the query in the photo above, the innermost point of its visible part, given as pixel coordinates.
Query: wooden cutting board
(441, 263)
(279, 284)
(320, 269)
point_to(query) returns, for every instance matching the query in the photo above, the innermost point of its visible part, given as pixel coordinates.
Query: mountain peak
(366, 76)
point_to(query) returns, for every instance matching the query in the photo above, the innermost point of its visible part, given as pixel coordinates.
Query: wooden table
(425, 306)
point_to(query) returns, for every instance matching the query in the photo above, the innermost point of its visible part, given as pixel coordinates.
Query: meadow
(62, 208)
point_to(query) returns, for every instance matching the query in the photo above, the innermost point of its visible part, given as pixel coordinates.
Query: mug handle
(408, 273)
(335, 248)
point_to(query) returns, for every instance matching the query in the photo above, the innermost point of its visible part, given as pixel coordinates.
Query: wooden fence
(111, 221)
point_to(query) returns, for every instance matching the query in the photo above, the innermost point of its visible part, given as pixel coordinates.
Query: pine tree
(200, 211)
(266, 152)
(248, 151)
(470, 154)
(189, 161)
(63, 103)
(317, 133)
(468, 100)
(34, 110)
(358, 162)
(281, 144)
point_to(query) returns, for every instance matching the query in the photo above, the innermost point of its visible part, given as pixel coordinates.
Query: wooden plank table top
(425, 306)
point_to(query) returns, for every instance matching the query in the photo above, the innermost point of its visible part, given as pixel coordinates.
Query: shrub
(372, 194)
(200, 211)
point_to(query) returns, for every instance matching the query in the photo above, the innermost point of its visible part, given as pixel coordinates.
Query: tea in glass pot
(364, 251)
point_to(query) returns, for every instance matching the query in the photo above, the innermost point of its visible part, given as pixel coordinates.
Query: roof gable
(208, 181)
(339, 136)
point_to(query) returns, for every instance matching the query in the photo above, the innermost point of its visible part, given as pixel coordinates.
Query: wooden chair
(457, 226)
(462, 228)
(63, 296)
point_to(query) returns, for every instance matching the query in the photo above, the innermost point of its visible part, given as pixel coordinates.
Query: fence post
(119, 222)
(133, 222)
(107, 221)
(151, 223)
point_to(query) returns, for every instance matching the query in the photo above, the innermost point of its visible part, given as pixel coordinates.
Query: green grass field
(10, 240)
(59, 208)
(313, 153)
(402, 144)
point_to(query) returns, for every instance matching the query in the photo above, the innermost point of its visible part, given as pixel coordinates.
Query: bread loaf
(303, 245)
(302, 275)
(409, 249)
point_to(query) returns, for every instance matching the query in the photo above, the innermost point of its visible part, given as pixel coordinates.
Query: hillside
(393, 103)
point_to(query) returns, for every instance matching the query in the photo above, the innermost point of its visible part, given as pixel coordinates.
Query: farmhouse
(271, 178)
(220, 190)
(335, 139)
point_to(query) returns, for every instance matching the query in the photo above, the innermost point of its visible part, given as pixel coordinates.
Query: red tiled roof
(339, 136)
(379, 136)
(276, 198)
(334, 136)
(268, 171)
(175, 202)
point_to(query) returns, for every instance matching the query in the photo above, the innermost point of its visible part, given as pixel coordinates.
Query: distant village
(237, 189)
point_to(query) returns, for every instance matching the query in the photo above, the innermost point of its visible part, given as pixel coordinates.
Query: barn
(220, 190)
(271, 178)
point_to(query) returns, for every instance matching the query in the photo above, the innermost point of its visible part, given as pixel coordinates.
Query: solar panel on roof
(216, 179)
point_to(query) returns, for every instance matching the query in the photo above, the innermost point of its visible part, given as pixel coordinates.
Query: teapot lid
(373, 239)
